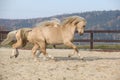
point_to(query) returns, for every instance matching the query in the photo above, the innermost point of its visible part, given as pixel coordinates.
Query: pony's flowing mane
(53, 23)
(71, 19)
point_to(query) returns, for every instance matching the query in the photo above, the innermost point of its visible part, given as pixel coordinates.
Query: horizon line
(57, 15)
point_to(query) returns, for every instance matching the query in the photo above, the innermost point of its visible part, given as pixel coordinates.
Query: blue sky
(24, 9)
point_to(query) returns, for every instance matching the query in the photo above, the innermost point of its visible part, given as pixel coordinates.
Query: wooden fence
(91, 40)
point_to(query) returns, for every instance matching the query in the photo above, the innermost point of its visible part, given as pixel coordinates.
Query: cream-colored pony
(21, 36)
(43, 35)
(18, 38)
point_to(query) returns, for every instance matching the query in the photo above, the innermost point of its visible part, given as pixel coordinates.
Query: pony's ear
(76, 22)
(29, 30)
(72, 20)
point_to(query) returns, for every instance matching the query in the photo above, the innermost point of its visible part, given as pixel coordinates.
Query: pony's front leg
(71, 45)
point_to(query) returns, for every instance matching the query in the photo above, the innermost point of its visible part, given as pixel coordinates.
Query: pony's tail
(9, 39)
(6, 41)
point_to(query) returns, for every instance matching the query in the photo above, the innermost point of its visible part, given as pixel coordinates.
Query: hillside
(100, 20)
(96, 20)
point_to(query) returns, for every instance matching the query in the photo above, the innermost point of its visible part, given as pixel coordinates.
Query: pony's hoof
(53, 60)
(81, 58)
(46, 58)
(16, 55)
(36, 60)
(51, 57)
(11, 57)
(69, 56)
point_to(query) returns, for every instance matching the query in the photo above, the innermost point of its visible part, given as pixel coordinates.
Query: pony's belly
(53, 35)
(54, 41)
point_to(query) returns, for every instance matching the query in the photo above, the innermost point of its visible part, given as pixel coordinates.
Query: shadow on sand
(85, 58)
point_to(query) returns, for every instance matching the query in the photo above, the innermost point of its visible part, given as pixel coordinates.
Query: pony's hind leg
(34, 50)
(38, 52)
(15, 53)
(16, 45)
(43, 50)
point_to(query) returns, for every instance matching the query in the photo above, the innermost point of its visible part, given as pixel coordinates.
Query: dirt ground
(94, 66)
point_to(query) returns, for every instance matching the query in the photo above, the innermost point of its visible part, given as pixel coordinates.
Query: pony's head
(80, 25)
(77, 22)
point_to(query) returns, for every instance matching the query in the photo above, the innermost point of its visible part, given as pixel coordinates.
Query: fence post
(91, 40)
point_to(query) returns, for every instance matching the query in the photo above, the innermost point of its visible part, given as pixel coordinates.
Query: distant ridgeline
(96, 20)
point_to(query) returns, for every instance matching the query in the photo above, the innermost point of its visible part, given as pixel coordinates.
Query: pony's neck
(70, 29)
(73, 29)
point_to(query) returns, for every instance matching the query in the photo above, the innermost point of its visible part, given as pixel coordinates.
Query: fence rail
(91, 40)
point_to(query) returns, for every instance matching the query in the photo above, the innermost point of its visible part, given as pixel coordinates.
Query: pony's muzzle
(81, 34)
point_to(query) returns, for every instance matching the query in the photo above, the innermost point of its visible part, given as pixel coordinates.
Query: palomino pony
(43, 35)
(21, 36)
(14, 36)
